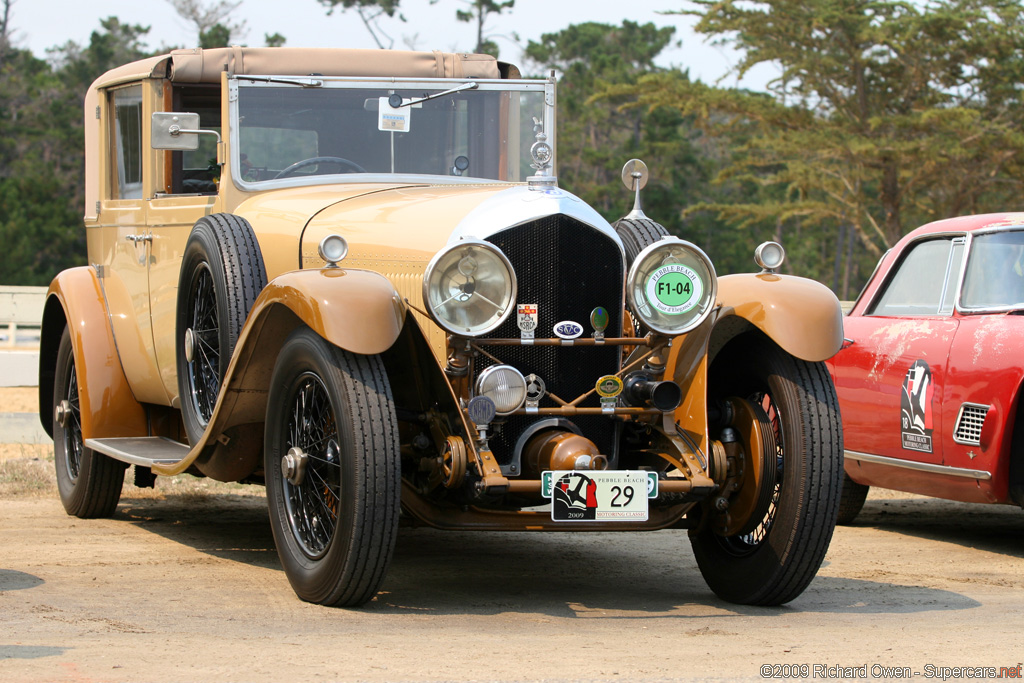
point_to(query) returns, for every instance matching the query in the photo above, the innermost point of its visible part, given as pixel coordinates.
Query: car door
(986, 366)
(186, 190)
(891, 370)
(126, 241)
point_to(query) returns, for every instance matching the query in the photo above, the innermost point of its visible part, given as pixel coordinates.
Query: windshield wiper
(310, 83)
(396, 101)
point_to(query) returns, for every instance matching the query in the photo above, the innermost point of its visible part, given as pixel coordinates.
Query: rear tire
(334, 525)
(89, 483)
(851, 501)
(776, 561)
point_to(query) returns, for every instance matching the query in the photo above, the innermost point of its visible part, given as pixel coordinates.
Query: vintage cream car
(352, 277)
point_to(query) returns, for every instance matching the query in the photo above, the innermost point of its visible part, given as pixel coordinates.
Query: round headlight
(504, 385)
(469, 288)
(672, 286)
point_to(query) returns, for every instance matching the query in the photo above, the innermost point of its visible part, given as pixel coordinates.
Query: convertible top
(205, 66)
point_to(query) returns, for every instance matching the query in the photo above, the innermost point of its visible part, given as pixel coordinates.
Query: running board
(141, 450)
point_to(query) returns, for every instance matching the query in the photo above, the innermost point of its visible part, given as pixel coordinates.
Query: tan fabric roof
(205, 66)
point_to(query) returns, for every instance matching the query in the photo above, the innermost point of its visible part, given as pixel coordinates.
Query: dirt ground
(184, 584)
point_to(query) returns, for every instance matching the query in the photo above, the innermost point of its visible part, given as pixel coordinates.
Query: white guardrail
(21, 312)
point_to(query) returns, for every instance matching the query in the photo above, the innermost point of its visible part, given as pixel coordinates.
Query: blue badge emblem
(567, 329)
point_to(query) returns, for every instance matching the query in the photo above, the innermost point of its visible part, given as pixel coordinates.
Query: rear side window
(925, 280)
(126, 103)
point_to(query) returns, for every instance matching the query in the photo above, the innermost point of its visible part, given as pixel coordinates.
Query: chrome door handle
(140, 238)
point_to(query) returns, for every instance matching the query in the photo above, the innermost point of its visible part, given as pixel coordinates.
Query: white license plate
(597, 495)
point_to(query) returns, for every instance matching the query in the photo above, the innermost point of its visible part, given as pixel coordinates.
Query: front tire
(222, 273)
(776, 561)
(332, 470)
(89, 483)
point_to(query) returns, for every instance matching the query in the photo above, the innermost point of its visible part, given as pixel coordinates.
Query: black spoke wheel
(222, 273)
(332, 469)
(89, 483)
(777, 558)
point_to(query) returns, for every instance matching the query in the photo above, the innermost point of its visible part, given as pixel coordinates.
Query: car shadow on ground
(578, 575)
(992, 528)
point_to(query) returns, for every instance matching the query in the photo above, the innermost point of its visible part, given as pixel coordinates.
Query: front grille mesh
(567, 268)
(969, 423)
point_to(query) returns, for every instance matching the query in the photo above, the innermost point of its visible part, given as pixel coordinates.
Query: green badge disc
(674, 289)
(608, 386)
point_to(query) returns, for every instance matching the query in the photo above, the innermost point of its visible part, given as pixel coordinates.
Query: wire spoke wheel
(72, 432)
(331, 457)
(745, 544)
(780, 549)
(89, 483)
(313, 504)
(204, 368)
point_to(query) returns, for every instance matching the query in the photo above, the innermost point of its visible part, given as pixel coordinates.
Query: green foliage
(217, 35)
(370, 12)
(40, 229)
(389, 7)
(274, 40)
(884, 115)
(477, 13)
(41, 150)
(597, 135)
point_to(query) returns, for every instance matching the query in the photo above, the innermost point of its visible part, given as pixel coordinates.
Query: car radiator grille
(568, 269)
(969, 422)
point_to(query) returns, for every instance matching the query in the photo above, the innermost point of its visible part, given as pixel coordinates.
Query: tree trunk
(890, 199)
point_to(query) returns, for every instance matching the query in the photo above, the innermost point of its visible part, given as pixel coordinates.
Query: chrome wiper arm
(458, 88)
(310, 83)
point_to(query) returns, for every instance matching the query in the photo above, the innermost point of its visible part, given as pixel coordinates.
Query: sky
(40, 24)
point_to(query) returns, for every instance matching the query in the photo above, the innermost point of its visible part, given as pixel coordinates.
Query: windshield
(995, 272)
(479, 130)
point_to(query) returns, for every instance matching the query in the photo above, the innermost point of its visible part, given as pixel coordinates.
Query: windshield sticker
(916, 408)
(674, 289)
(392, 119)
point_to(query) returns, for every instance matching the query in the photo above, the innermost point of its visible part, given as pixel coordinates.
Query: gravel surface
(184, 584)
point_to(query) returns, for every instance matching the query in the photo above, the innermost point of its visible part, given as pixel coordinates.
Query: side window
(925, 280)
(126, 103)
(196, 171)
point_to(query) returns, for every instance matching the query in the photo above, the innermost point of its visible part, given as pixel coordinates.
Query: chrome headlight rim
(640, 268)
(428, 275)
(481, 379)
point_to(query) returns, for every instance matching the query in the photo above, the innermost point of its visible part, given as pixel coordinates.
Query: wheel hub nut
(190, 345)
(293, 466)
(62, 412)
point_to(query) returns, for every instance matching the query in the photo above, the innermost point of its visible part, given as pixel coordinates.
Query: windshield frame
(428, 85)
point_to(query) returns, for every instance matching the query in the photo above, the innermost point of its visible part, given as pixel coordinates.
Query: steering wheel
(316, 161)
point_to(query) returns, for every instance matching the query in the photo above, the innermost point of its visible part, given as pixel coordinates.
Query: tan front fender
(800, 315)
(356, 310)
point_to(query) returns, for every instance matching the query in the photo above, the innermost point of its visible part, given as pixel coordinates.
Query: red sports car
(930, 374)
